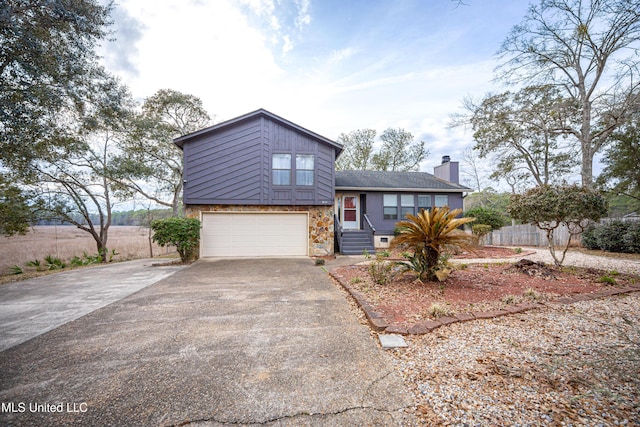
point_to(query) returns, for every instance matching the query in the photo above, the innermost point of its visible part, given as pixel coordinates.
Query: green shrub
(320, 261)
(631, 239)
(610, 236)
(486, 216)
(549, 207)
(589, 239)
(54, 263)
(382, 270)
(183, 233)
(481, 230)
(35, 263)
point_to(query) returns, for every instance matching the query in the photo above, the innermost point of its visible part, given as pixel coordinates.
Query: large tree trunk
(586, 170)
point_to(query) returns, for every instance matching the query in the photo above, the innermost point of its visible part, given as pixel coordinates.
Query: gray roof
(252, 115)
(399, 181)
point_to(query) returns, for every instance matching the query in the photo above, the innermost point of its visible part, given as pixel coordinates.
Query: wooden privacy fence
(530, 235)
(527, 235)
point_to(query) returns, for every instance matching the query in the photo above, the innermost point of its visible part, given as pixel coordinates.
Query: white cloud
(209, 51)
(287, 45)
(216, 53)
(340, 55)
(304, 13)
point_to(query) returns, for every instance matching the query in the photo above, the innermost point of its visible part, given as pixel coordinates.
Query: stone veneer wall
(321, 233)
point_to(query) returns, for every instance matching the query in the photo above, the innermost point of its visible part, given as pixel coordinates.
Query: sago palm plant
(429, 234)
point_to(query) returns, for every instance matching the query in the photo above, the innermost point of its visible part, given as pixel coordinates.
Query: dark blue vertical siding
(233, 166)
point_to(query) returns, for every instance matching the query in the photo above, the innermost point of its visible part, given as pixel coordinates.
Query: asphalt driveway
(242, 342)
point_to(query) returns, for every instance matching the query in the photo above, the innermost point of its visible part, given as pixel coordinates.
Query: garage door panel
(254, 234)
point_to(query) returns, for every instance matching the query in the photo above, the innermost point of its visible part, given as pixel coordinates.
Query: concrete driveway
(32, 307)
(242, 342)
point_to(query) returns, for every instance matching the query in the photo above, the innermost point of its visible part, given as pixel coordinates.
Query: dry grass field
(65, 242)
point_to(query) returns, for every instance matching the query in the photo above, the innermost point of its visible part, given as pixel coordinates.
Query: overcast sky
(329, 66)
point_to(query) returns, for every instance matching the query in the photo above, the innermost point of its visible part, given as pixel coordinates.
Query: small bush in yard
(54, 263)
(480, 230)
(381, 270)
(610, 236)
(589, 239)
(35, 263)
(632, 238)
(486, 216)
(183, 233)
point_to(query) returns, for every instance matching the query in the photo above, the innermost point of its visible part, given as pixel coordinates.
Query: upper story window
(407, 204)
(442, 201)
(304, 169)
(281, 169)
(390, 206)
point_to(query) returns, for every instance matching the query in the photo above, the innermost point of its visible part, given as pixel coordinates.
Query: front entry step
(354, 242)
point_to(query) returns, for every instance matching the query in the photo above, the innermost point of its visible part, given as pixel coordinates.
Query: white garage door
(253, 234)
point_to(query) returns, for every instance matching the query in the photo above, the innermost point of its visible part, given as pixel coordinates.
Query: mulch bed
(474, 288)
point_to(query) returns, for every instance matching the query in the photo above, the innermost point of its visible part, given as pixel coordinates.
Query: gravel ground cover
(573, 365)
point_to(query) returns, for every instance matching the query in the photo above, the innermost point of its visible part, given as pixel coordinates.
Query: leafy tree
(621, 204)
(16, 209)
(488, 199)
(357, 150)
(183, 233)
(481, 230)
(486, 216)
(430, 233)
(549, 207)
(589, 51)
(621, 161)
(47, 66)
(399, 152)
(520, 131)
(150, 164)
(73, 184)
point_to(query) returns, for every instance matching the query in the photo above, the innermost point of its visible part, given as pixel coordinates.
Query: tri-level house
(264, 186)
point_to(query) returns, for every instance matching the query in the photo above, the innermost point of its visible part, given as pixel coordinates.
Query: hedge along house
(262, 186)
(368, 204)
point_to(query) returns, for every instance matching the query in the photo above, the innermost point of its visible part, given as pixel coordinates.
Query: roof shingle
(359, 179)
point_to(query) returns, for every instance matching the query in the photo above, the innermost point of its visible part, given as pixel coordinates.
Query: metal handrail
(371, 228)
(368, 221)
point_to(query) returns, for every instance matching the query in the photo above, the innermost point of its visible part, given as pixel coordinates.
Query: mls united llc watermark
(33, 407)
